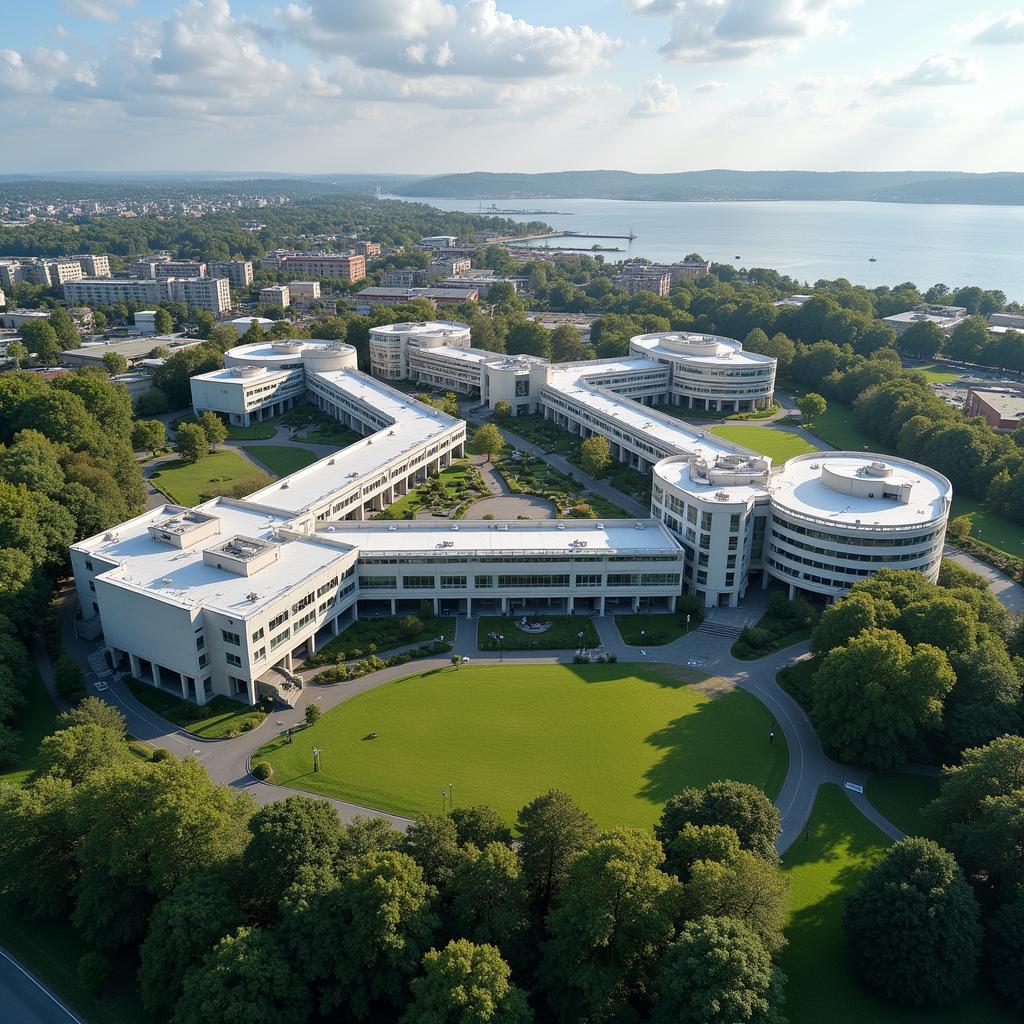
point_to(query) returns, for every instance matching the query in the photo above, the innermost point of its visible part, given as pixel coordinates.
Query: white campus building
(223, 598)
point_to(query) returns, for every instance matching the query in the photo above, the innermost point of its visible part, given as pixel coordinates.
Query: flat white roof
(798, 486)
(421, 327)
(712, 349)
(182, 577)
(514, 538)
(265, 351)
(677, 472)
(414, 423)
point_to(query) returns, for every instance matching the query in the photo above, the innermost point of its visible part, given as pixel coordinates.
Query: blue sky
(428, 86)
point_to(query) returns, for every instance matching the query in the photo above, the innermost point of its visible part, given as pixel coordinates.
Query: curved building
(390, 344)
(709, 372)
(838, 517)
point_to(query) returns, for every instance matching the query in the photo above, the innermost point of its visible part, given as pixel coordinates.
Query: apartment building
(238, 273)
(276, 295)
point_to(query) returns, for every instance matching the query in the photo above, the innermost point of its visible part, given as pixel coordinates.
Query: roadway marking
(39, 985)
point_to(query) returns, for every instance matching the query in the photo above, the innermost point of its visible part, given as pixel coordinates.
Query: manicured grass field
(563, 634)
(219, 717)
(263, 431)
(937, 373)
(988, 526)
(902, 798)
(823, 870)
(779, 445)
(836, 426)
(652, 630)
(38, 718)
(386, 634)
(185, 484)
(281, 459)
(620, 738)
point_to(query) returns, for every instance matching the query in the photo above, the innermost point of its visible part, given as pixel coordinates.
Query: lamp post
(501, 653)
(579, 646)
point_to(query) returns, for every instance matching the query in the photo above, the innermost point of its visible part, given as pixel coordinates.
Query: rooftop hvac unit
(252, 597)
(166, 581)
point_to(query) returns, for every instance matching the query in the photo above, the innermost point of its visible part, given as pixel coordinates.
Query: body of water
(955, 245)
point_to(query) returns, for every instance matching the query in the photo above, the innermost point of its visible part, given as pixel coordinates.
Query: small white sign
(855, 787)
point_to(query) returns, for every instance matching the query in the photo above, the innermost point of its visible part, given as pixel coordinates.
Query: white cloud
(655, 99)
(476, 39)
(937, 70)
(918, 116)
(813, 83)
(709, 86)
(100, 10)
(711, 31)
(771, 102)
(34, 73)
(1005, 30)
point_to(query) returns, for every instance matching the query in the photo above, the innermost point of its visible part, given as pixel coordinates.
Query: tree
(68, 680)
(922, 339)
(40, 338)
(959, 528)
(595, 455)
(842, 621)
(115, 363)
(1006, 948)
(63, 326)
(93, 711)
(979, 812)
(811, 405)
(527, 337)
(566, 344)
(741, 806)
(695, 843)
(286, 835)
(717, 972)
(78, 751)
(17, 353)
(488, 441)
(875, 699)
(489, 899)
(479, 825)
(745, 887)
(432, 841)
(183, 929)
(466, 984)
(190, 442)
(613, 920)
(552, 830)
(914, 926)
(93, 972)
(502, 409)
(246, 977)
(213, 427)
(312, 714)
(986, 701)
(149, 435)
(163, 322)
(361, 836)
(35, 461)
(410, 627)
(151, 403)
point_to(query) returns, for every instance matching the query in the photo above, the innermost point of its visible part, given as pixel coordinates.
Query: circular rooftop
(439, 327)
(284, 350)
(859, 490)
(693, 345)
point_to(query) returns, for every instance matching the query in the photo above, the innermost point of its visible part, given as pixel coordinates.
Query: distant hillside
(1002, 189)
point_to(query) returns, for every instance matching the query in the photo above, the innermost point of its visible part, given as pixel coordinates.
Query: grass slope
(652, 630)
(38, 718)
(779, 445)
(219, 717)
(185, 484)
(990, 527)
(620, 738)
(823, 869)
(902, 798)
(281, 459)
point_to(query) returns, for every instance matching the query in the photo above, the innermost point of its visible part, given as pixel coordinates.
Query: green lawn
(823, 869)
(262, 431)
(219, 717)
(281, 459)
(455, 487)
(620, 738)
(779, 445)
(902, 797)
(218, 473)
(937, 373)
(563, 634)
(836, 426)
(386, 634)
(990, 527)
(38, 718)
(51, 950)
(652, 630)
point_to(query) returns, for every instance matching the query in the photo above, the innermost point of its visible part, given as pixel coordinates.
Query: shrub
(263, 770)
(160, 754)
(426, 609)
(312, 714)
(93, 972)
(612, 658)
(68, 678)
(411, 626)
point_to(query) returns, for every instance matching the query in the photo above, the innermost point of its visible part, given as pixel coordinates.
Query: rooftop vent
(638, 526)
(252, 597)
(560, 526)
(166, 581)
(392, 528)
(599, 526)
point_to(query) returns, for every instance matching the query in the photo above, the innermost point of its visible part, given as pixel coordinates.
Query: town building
(145, 321)
(1013, 321)
(54, 273)
(643, 279)
(210, 293)
(276, 295)
(242, 323)
(105, 291)
(238, 273)
(792, 300)
(226, 597)
(136, 351)
(1001, 408)
(944, 317)
(317, 265)
(304, 291)
(179, 268)
(93, 265)
(17, 318)
(438, 242)
(366, 299)
(369, 250)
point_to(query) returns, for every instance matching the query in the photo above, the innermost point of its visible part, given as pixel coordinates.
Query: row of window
(527, 581)
(853, 541)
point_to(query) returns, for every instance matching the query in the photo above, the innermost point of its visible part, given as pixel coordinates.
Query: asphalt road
(23, 1000)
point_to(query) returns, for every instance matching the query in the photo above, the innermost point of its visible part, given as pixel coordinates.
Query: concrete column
(201, 693)
(792, 591)
(250, 689)
(311, 643)
(184, 685)
(734, 599)
(504, 606)
(572, 605)
(672, 603)
(764, 579)
(288, 661)
(392, 606)
(600, 605)
(636, 604)
(133, 664)
(334, 626)
(156, 673)
(469, 607)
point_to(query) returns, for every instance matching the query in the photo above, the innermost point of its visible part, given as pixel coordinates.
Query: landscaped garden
(824, 867)
(778, 445)
(652, 630)
(219, 718)
(449, 494)
(542, 632)
(784, 623)
(531, 475)
(901, 797)
(281, 459)
(374, 636)
(680, 412)
(309, 423)
(221, 472)
(621, 739)
(543, 433)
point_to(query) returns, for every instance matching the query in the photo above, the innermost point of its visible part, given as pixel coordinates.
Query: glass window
(453, 582)
(230, 638)
(277, 620)
(483, 582)
(200, 642)
(417, 582)
(691, 514)
(258, 635)
(234, 659)
(705, 520)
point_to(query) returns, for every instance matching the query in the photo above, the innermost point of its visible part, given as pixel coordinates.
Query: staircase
(280, 685)
(99, 664)
(720, 629)
(89, 629)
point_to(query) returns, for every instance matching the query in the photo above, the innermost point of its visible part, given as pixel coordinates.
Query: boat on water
(871, 259)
